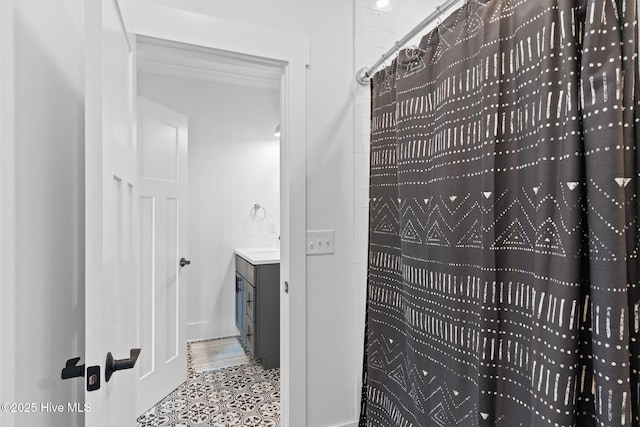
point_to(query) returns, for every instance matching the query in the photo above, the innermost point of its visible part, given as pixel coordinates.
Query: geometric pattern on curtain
(504, 235)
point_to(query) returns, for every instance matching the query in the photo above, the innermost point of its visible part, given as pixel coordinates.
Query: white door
(110, 212)
(162, 195)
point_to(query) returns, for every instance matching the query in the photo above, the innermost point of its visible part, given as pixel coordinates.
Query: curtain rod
(364, 74)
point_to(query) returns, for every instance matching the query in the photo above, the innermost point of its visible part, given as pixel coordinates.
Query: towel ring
(255, 212)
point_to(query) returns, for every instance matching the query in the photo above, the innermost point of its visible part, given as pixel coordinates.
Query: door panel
(110, 209)
(172, 321)
(146, 285)
(158, 150)
(162, 192)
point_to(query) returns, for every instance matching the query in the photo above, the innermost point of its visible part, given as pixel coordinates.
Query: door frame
(8, 199)
(292, 53)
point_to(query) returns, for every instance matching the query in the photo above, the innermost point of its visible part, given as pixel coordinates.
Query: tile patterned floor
(244, 395)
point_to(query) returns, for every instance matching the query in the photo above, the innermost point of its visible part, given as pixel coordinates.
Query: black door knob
(72, 369)
(113, 365)
(184, 261)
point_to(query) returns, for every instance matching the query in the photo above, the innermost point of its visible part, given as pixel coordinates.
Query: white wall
(234, 163)
(49, 168)
(7, 212)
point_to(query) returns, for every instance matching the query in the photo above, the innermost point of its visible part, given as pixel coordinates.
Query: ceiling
(195, 62)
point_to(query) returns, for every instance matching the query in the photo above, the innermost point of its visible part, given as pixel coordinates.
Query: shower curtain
(504, 235)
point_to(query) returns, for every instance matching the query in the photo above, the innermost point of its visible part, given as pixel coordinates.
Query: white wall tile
(369, 18)
(371, 54)
(361, 236)
(381, 38)
(359, 61)
(361, 144)
(396, 24)
(363, 106)
(428, 5)
(361, 163)
(361, 207)
(361, 277)
(413, 11)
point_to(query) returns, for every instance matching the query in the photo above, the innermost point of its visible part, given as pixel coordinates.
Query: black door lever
(113, 365)
(71, 370)
(184, 261)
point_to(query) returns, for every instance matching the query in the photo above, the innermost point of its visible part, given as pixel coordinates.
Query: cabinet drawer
(251, 274)
(246, 269)
(241, 266)
(250, 301)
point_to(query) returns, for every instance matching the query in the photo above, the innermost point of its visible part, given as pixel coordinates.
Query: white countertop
(258, 256)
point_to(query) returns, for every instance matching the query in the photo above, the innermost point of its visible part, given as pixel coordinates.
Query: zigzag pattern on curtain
(503, 284)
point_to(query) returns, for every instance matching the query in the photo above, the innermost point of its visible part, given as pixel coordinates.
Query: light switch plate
(320, 242)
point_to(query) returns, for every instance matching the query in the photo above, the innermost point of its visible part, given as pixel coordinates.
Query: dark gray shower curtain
(504, 235)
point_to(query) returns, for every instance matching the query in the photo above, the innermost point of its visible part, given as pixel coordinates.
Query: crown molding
(193, 62)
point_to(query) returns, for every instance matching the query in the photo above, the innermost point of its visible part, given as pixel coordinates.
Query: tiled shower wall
(375, 32)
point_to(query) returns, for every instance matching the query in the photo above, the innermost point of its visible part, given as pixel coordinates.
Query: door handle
(184, 261)
(113, 365)
(72, 369)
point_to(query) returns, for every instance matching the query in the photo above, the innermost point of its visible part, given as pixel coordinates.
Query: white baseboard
(206, 330)
(349, 424)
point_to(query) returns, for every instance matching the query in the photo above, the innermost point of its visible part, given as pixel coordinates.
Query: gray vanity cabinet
(258, 310)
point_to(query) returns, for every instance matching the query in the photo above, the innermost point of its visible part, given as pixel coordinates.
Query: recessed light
(379, 5)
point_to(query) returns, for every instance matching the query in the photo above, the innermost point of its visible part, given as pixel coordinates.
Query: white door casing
(293, 262)
(162, 294)
(110, 209)
(292, 53)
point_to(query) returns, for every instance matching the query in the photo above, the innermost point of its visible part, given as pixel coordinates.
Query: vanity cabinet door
(240, 303)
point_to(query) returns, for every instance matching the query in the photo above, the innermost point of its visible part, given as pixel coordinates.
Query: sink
(257, 256)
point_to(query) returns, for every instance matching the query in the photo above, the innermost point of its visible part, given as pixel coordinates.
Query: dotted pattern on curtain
(504, 235)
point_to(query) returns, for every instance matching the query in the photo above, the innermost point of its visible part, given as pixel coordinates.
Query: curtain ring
(439, 12)
(255, 212)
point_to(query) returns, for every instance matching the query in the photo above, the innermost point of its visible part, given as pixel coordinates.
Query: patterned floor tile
(243, 396)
